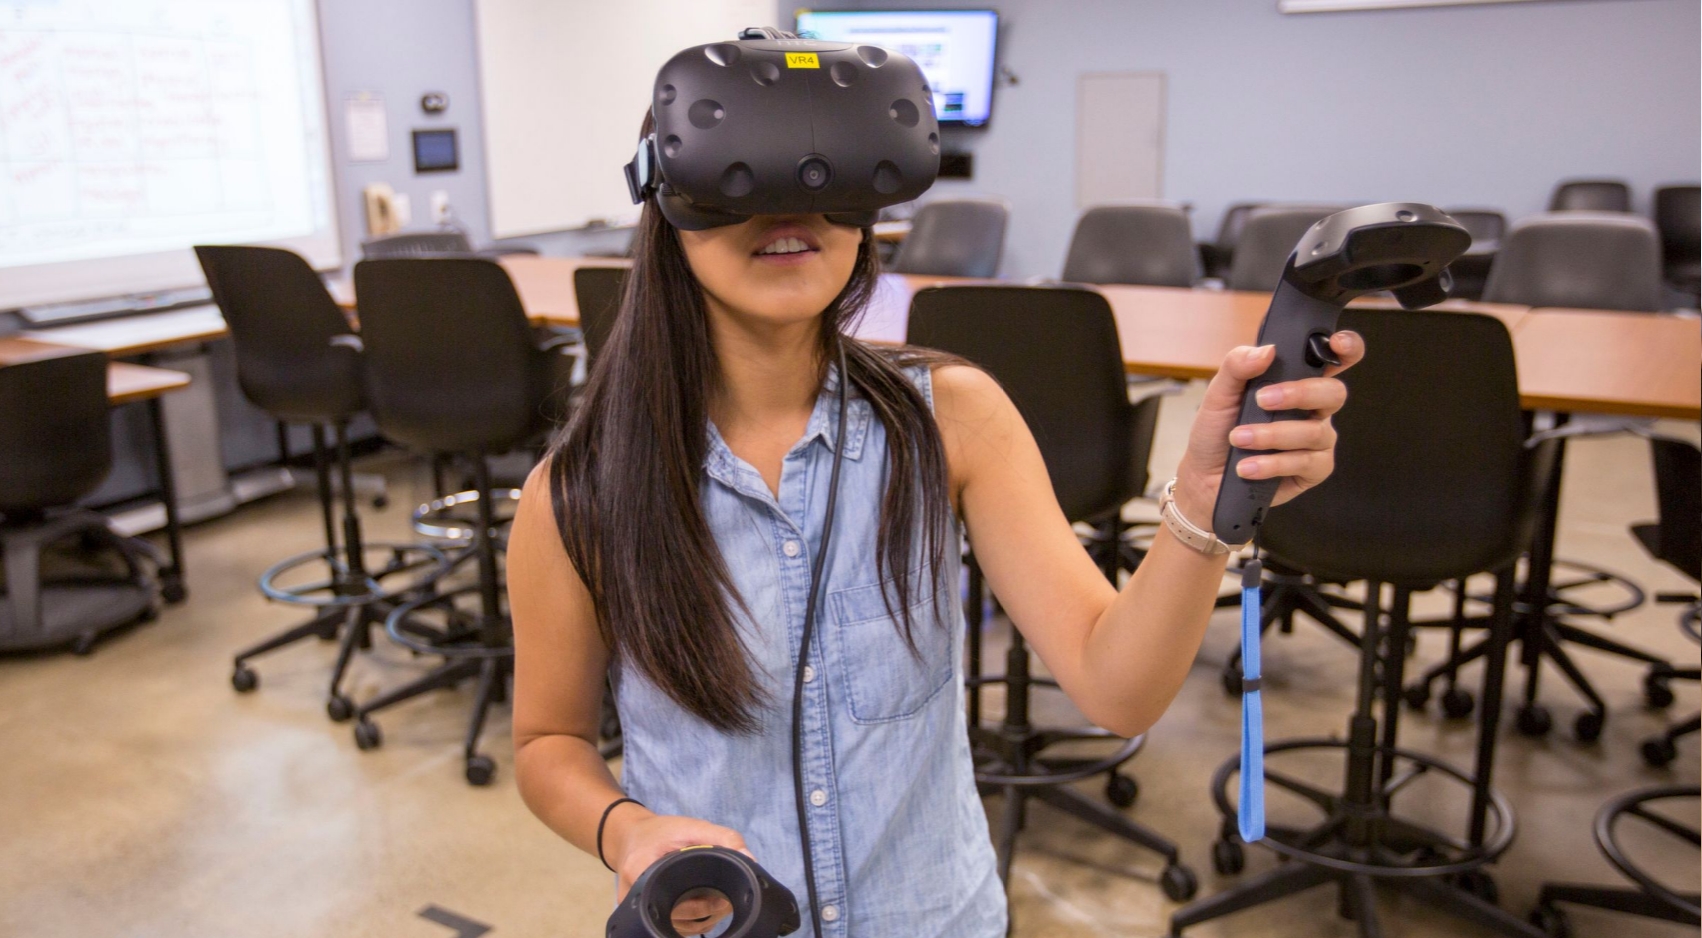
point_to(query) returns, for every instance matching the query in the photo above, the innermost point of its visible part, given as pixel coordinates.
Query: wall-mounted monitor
(953, 47)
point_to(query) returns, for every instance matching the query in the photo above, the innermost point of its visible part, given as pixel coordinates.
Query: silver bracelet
(1185, 531)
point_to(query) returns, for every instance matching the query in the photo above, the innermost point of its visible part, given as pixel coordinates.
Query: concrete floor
(140, 796)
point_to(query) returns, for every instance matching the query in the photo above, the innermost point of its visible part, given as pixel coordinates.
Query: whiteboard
(131, 130)
(565, 86)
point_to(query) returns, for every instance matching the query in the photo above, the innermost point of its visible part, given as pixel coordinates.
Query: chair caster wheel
(1416, 696)
(244, 679)
(173, 591)
(480, 770)
(1228, 857)
(339, 708)
(1479, 884)
(1552, 920)
(1178, 882)
(1458, 703)
(1657, 691)
(1232, 681)
(1587, 728)
(1658, 752)
(367, 735)
(1122, 790)
(380, 502)
(1534, 720)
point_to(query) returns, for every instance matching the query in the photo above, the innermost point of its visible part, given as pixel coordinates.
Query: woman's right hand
(643, 839)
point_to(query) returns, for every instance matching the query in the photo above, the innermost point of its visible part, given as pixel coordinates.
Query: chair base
(1357, 846)
(473, 647)
(1651, 899)
(38, 614)
(1010, 760)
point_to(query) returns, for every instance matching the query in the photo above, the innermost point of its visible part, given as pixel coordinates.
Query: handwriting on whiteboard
(128, 126)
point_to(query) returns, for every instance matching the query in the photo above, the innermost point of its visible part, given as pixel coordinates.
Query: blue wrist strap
(1251, 819)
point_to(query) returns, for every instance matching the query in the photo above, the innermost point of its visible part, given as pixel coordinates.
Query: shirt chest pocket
(883, 681)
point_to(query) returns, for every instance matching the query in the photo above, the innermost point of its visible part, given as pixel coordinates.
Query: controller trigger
(1318, 351)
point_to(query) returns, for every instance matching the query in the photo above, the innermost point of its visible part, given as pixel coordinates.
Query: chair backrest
(452, 364)
(55, 435)
(1591, 195)
(282, 322)
(1268, 237)
(1148, 245)
(1592, 260)
(1678, 216)
(1486, 227)
(1432, 481)
(1678, 489)
(954, 238)
(417, 244)
(1234, 220)
(598, 292)
(1055, 351)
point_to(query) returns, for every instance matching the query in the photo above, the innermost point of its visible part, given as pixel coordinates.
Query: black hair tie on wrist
(605, 820)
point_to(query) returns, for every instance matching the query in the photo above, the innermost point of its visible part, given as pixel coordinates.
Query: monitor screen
(953, 47)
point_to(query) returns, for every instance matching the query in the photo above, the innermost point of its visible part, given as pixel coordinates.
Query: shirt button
(791, 548)
(819, 798)
(809, 674)
(830, 913)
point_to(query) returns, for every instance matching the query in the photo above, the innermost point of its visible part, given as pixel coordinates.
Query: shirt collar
(823, 426)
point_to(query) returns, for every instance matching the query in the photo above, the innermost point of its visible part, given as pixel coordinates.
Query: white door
(1119, 137)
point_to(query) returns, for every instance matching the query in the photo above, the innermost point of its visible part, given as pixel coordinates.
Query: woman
(669, 537)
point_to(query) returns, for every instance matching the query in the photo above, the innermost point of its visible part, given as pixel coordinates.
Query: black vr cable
(816, 570)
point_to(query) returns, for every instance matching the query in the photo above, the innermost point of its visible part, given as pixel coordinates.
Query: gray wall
(402, 49)
(1462, 106)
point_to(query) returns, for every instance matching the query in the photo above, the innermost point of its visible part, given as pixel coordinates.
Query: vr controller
(772, 124)
(1404, 247)
(762, 908)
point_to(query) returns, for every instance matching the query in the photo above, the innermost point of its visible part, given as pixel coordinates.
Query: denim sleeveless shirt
(898, 835)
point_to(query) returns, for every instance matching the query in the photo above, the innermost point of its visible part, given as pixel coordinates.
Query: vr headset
(772, 124)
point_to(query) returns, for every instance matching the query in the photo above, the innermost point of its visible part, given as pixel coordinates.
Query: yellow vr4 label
(802, 60)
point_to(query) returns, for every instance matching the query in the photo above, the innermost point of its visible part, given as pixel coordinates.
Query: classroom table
(128, 383)
(1577, 360)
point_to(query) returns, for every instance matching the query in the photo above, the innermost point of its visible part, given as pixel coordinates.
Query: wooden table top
(136, 335)
(1583, 361)
(125, 382)
(1594, 361)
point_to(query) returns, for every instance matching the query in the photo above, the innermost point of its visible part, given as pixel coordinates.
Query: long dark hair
(626, 469)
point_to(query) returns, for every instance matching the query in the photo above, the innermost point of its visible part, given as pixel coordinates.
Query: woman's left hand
(1303, 450)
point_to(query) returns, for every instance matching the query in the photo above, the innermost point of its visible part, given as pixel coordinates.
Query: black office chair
(1427, 488)
(1589, 260)
(1599, 260)
(1678, 215)
(417, 244)
(1216, 256)
(1591, 195)
(55, 448)
(955, 238)
(1651, 898)
(598, 291)
(1055, 351)
(1471, 269)
(454, 368)
(1267, 238)
(1147, 244)
(298, 360)
(1677, 542)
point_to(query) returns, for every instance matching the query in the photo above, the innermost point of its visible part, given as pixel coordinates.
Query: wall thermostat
(435, 151)
(434, 102)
